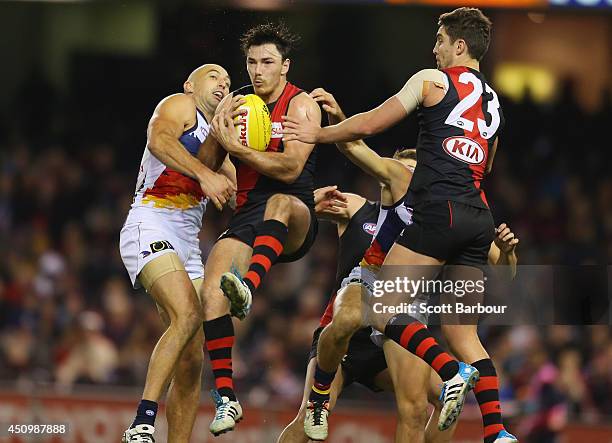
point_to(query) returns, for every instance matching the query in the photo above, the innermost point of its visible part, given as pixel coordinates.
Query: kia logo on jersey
(464, 149)
(277, 130)
(370, 228)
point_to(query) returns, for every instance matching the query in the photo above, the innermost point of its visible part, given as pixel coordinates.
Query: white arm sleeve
(411, 95)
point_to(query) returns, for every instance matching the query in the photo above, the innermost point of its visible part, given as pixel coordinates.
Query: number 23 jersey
(455, 138)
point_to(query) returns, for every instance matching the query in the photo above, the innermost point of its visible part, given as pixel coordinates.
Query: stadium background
(80, 80)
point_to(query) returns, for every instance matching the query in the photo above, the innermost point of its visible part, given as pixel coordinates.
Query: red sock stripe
(486, 383)
(253, 277)
(222, 363)
(424, 346)
(219, 343)
(440, 361)
(409, 331)
(492, 430)
(224, 382)
(262, 260)
(490, 407)
(271, 242)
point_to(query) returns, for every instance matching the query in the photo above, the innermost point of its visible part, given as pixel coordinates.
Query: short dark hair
(405, 154)
(276, 33)
(471, 25)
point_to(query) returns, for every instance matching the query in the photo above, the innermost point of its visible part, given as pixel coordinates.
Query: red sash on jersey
(473, 113)
(247, 177)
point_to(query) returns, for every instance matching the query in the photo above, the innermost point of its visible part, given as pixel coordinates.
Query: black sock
(219, 334)
(413, 335)
(487, 395)
(146, 413)
(321, 385)
(267, 247)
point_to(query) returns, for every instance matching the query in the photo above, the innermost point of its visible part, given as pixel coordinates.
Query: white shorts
(142, 242)
(360, 276)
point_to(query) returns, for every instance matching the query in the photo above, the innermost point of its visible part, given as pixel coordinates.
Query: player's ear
(285, 67)
(188, 87)
(460, 46)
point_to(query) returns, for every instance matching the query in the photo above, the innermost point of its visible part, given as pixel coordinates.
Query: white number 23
(455, 117)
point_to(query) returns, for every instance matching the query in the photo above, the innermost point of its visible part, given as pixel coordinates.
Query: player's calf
(267, 247)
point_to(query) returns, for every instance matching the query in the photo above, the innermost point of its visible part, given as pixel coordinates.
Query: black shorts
(243, 225)
(363, 361)
(455, 232)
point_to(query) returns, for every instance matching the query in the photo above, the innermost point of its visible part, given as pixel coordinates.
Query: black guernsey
(254, 187)
(454, 141)
(353, 243)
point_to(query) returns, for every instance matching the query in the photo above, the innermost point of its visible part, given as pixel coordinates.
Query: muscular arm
(284, 166)
(212, 154)
(167, 124)
(229, 170)
(414, 93)
(385, 170)
(364, 124)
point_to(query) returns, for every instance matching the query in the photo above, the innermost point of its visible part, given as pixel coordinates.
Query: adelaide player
(274, 216)
(160, 248)
(452, 225)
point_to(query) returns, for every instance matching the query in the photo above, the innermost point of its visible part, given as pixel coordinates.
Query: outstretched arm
(372, 122)
(358, 152)
(356, 127)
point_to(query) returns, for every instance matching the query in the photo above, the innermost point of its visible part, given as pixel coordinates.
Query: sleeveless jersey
(254, 187)
(391, 222)
(352, 244)
(162, 190)
(454, 140)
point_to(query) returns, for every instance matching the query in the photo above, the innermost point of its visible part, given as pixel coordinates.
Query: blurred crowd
(68, 315)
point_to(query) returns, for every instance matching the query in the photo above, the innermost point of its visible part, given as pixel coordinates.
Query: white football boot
(238, 293)
(315, 422)
(139, 434)
(228, 414)
(454, 392)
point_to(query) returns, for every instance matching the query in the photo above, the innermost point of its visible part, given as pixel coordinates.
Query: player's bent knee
(412, 412)
(347, 321)
(186, 324)
(279, 202)
(189, 369)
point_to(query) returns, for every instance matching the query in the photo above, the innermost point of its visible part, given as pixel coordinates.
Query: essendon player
(274, 217)
(460, 120)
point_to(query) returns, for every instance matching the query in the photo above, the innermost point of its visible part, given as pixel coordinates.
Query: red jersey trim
(247, 177)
